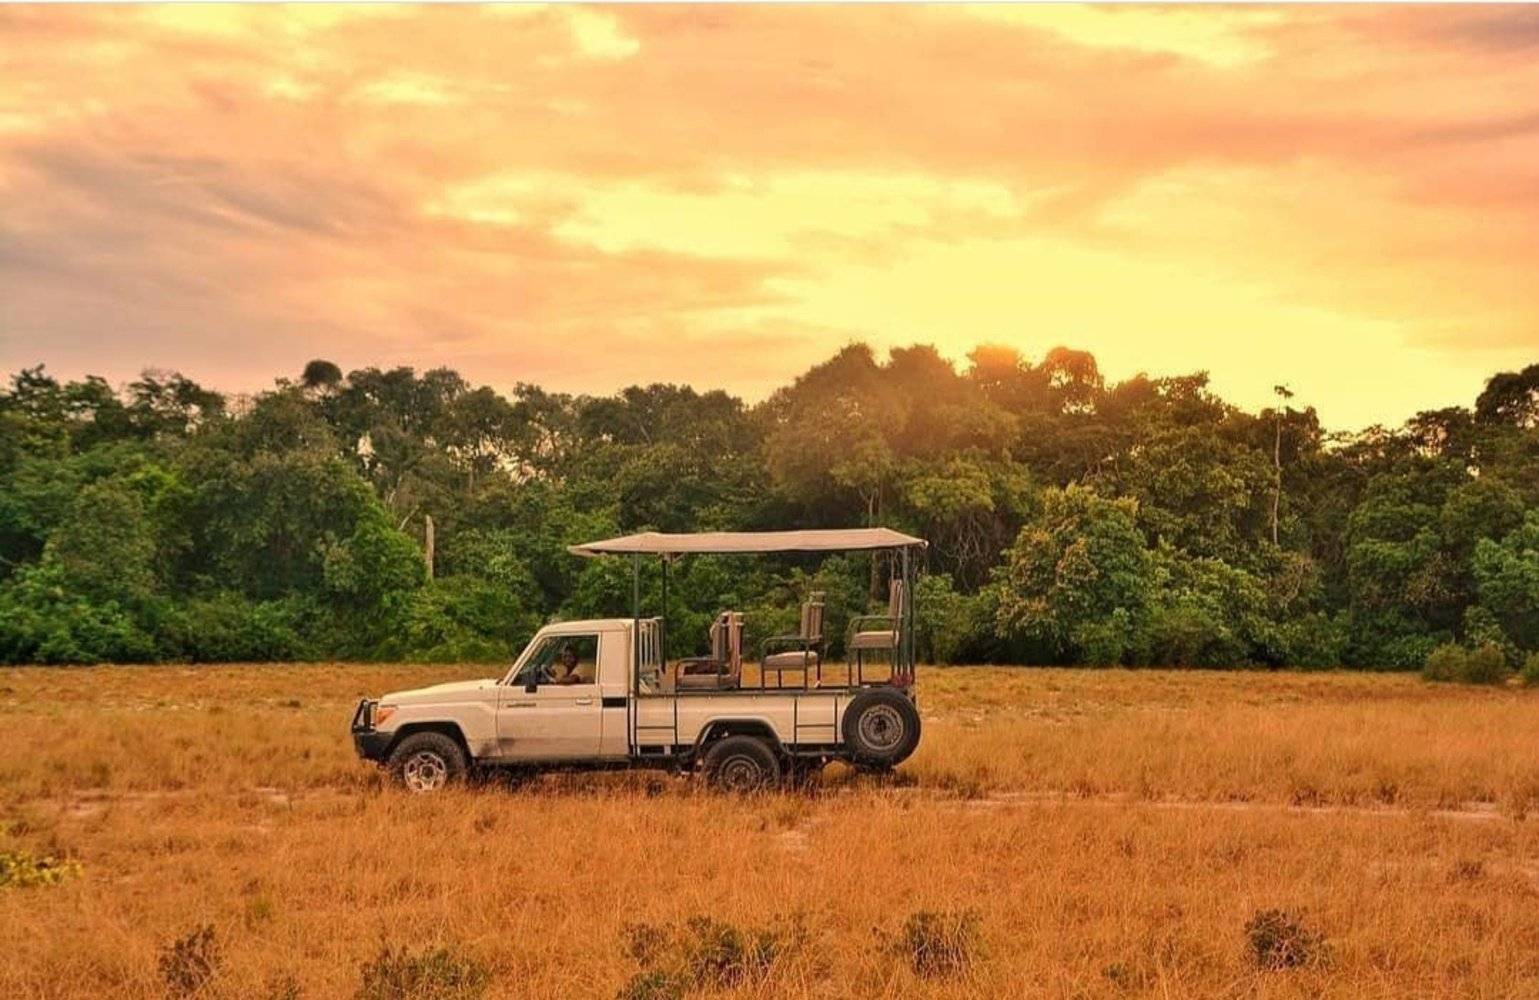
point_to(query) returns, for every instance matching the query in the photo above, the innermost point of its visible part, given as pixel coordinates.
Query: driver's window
(562, 660)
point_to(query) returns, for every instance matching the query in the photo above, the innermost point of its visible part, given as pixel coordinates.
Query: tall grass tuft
(433, 974)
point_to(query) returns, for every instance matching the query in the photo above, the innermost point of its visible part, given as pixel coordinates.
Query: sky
(1341, 199)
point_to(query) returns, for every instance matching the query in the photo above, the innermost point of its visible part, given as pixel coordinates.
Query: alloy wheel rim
(426, 771)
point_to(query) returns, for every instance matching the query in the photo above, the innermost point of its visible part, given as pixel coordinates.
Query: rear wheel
(741, 764)
(881, 729)
(427, 762)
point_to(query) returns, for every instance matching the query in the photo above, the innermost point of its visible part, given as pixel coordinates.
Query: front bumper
(371, 745)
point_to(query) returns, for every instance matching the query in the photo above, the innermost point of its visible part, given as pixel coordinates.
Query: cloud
(595, 195)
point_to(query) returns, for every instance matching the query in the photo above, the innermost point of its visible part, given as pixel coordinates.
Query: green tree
(1078, 577)
(1507, 579)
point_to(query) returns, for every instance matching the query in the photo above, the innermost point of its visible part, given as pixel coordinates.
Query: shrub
(1530, 672)
(435, 974)
(1314, 641)
(1402, 652)
(1105, 643)
(1445, 663)
(460, 618)
(653, 984)
(703, 953)
(189, 963)
(42, 620)
(718, 954)
(1486, 664)
(228, 628)
(1279, 939)
(22, 870)
(1187, 633)
(937, 944)
(949, 627)
(1482, 628)
(645, 943)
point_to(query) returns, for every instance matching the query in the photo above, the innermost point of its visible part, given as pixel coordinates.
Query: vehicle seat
(806, 652)
(724, 667)
(879, 632)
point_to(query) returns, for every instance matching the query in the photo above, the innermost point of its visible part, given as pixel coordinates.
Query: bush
(460, 619)
(1481, 628)
(941, 619)
(1486, 664)
(653, 984)
(937, 944)
(703, 953)
(1401, 653)
(1314, 641)
(43, 620)
(228, 628)
(189, 963)
(1185, 633)
(1530, 672)
(436, 974)
(1445, 663)
(22, 870)
(1105, 643)
(718, 954)
(1279, 940)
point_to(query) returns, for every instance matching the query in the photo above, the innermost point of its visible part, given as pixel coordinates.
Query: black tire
(427, 762)
(742, 765)
(881, 729)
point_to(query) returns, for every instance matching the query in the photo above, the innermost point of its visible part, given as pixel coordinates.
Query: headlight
(382, 713)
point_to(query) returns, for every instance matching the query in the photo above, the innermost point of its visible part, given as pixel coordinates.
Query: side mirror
(531, 687)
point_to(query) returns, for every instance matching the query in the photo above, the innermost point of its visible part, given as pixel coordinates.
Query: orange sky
(1342, 198)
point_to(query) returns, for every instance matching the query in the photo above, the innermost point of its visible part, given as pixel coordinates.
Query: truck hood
(455, 691)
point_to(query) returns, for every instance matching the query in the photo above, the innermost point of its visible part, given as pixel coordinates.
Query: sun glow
(1338, 198)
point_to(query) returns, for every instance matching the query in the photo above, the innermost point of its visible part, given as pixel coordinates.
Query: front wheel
(741, 764)
(427, 762)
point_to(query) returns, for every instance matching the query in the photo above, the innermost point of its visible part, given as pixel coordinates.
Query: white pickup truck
(597, 694)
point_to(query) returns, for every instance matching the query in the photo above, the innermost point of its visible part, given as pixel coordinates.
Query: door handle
(520, 704)
(584, 701)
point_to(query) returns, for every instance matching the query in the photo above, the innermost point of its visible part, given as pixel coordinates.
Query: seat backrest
(719, 638)
(895, 598)
(811, 627)
(733, 652)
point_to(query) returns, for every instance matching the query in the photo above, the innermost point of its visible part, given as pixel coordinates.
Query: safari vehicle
(601, 694)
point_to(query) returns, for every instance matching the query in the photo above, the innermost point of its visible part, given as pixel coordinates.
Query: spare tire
(881, 728)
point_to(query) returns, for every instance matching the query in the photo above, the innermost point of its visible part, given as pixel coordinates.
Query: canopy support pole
(635, 622)
(662, 626)
(907, 611)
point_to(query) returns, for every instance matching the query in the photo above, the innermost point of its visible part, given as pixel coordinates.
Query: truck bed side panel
(799, 718)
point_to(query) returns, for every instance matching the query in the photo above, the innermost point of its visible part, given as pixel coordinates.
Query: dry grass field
(1067, 833)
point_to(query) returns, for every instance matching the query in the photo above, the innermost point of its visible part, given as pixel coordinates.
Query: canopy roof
(723, 542)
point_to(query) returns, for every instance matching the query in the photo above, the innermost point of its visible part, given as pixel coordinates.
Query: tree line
(1071, 520)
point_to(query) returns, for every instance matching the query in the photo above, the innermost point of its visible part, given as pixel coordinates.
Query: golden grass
(1113, 831)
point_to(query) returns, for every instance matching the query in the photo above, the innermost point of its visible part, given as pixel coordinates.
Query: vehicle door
(551, 710)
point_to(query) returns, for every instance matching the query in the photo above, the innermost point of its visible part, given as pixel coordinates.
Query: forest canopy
(1071, 520)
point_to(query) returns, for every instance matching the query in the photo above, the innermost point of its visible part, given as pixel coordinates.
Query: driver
(567, 658)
